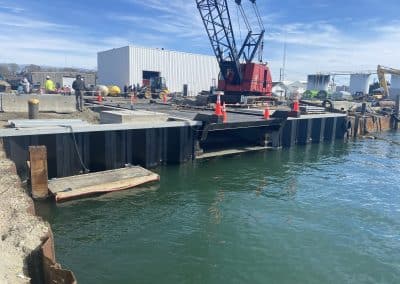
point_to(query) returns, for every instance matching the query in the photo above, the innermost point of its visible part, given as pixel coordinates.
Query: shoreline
(26, 241)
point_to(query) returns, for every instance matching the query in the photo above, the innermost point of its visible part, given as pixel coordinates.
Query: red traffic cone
(99, 97)
(266, 113)
(225, 116)
(164, 98)
(296, 106)
(218, 109)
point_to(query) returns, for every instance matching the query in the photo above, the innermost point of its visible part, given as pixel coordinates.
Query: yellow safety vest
(49, 85)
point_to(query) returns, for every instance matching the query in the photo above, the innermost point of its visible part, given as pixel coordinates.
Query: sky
(321, 36)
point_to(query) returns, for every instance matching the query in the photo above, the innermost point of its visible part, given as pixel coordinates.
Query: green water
(316, 214)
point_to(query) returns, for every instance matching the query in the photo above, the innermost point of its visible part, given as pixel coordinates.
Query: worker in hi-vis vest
(49, 86)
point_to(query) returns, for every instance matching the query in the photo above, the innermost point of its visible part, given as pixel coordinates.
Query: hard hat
(47, 77)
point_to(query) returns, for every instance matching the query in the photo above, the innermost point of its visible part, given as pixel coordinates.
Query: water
(315, 214)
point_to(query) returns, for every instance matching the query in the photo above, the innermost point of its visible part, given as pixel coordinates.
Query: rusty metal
(52, 271)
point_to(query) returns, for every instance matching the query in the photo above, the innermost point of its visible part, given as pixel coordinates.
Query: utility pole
(282, 70)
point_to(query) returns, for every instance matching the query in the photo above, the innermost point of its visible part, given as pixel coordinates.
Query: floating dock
(79, 186)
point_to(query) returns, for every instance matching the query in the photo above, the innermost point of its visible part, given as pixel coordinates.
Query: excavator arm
(381, 71)
(382, 81)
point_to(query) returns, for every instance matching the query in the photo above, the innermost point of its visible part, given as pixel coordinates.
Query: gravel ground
(20, 231)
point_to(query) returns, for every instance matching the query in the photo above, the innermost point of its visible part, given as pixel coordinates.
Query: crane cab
(257, 81)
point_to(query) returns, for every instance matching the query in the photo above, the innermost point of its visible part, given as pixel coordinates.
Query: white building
(318, 82)
(394, 86)
(279, 89)
(359, 83)
(298, 87)
(133, 65)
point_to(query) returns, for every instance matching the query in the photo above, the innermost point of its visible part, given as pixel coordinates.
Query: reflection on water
(327, 213)
(284, 191)
(215, 212)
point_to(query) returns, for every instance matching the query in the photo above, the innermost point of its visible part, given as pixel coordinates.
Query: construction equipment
(5, 87)
(239, 75)
(382, 71)
(318, 87)
(157, 89)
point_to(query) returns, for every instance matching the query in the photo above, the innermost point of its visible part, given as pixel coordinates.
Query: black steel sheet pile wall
(71, 154)
(314, 130)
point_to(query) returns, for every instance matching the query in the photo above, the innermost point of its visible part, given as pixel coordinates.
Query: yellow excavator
(382, 71)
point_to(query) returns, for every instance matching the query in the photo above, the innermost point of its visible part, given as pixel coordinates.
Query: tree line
(9, 70)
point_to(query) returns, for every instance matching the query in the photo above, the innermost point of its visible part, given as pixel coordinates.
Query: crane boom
(217, 21)
(239, 74)
(254, 41)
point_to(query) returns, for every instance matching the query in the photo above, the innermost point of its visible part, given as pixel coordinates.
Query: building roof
(159, 49)
(278, 84)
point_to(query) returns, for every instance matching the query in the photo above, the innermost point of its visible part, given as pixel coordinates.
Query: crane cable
(246, 20)
(240, 28)
(262, 27)
(257, 11)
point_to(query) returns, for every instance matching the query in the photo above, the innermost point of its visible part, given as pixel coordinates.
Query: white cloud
(321, 47)
(26, 40)
(10, 8)
(176, 19)
(22, 21)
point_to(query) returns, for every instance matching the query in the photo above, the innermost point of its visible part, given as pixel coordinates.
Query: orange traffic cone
(225, 116)
(218, 109)
(164, 98)
(99, 97)
(266, 113)
(296, 106)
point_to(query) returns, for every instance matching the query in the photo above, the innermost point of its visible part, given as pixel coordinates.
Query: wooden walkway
(101, 182)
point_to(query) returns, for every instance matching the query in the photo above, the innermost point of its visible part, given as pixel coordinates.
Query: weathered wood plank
(38, 171)
(100, 182)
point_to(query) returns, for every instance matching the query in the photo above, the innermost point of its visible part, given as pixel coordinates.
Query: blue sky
(321, 36)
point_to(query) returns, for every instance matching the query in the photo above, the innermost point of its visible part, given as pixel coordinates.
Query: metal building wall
(318, 82)
(359, 83)
(113, 67)
(394, 86)
(178, 68)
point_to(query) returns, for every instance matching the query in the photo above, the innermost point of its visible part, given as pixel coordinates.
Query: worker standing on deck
(125, 91)
(49, 86)
(79, 86)
(26, 85)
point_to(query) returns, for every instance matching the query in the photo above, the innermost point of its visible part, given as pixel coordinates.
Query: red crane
(239, 74)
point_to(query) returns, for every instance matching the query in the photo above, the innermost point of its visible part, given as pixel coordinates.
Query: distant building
(318, 82)
(342, 88)
(133, 65)
(279, 89)
(62, 79)
(298, 87)
(394, 86)
(359, 83)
